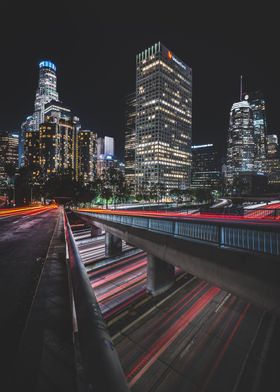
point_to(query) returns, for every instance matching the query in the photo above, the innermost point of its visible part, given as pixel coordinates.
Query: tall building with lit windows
(105, 151)
(31, 149)
(8, 154)
(58, 141)
(273, 161)
(163, 120)
(129, 152)
(257, 104)
(86, 144)
(241, 143)
(206, 167)
(46, 90)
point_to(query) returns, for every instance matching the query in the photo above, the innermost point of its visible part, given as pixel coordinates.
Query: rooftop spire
(241, 77)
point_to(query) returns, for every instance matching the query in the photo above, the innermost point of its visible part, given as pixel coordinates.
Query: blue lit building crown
(47, 64)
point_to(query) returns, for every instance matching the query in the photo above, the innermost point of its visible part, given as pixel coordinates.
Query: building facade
(105, 154)
(257, 104)
(8, 154)
(241, 143)
(46, 91)
(26, 127)
(86, 143)
(31, 149)
(163, 120)
(105, 146)
(130, 139)
(273, 161)
(206, 167)
(57, 141)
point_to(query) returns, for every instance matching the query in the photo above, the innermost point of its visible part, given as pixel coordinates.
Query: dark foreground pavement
(35, 318)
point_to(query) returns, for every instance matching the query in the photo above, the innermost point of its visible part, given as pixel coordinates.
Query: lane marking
(152, 309)
(222, 303)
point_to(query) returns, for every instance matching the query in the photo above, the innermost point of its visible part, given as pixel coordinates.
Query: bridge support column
(95, 231)
(161, 275)
(113, 245)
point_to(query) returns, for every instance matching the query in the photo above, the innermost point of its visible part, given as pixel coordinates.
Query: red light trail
(169, 336)
(266, 213)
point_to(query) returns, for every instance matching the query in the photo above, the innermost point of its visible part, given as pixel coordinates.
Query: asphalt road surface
(24, 242)
(199, 338)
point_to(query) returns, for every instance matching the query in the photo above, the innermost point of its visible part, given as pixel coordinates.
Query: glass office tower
(206, 167)
(163, 120)
(129, 155)
(257, 104)
(241, 145)
(46, 90)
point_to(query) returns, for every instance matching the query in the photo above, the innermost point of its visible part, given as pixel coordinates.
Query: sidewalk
(46, 360)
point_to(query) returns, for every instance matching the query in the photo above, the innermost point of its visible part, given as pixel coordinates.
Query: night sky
(94, 50)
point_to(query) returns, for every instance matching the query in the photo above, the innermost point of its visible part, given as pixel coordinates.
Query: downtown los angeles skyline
(96, 68)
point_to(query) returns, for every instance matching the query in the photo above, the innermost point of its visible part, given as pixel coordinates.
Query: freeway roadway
(197, 338)
(118, 281)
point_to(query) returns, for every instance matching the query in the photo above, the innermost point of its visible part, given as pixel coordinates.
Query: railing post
(221, 236)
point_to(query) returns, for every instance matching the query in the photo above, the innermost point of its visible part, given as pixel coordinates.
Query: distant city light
(202, 145)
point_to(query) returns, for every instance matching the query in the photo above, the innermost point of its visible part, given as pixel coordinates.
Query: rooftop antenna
(241, 87)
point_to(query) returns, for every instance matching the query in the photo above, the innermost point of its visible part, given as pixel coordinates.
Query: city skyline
(86, 73)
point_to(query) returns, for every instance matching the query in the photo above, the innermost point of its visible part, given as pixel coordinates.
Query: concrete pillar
(95, 231)
(113, 245)
(161, 275)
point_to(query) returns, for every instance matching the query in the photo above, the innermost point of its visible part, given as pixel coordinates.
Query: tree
(113, 185)
(240, 185)
(176, 195)
(23, 184)
(142, 192)
(10, 169)
(203, 195)
(161, 190)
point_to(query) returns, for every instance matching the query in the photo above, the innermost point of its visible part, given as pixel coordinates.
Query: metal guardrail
(100, 359)
(260, 239)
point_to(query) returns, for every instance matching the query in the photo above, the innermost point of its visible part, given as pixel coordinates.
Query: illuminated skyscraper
(273, 161)
(105, 154)
(31, 149)
(46, 90)
(105, 146)
(86, 142)
(129, 156)
(241, 146)
(8, 154)
(257, 104)
(163, 120)
(206, 167)
(58, 139)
